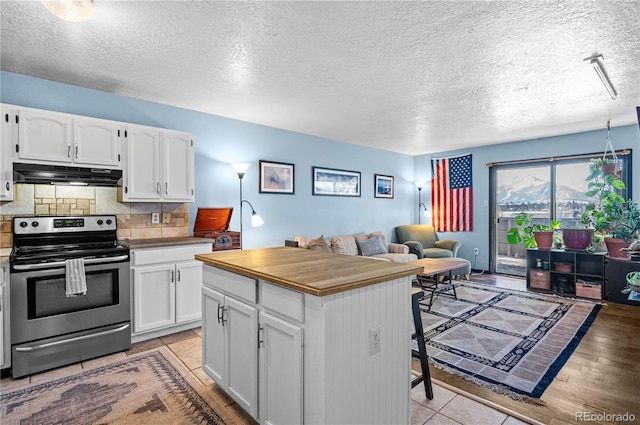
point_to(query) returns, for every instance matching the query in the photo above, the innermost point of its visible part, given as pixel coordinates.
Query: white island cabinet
(286, 335)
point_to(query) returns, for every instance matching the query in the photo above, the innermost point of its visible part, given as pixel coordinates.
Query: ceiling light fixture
(70, 10)
(594, 61)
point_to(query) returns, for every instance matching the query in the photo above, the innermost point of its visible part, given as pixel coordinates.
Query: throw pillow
(320, 244)
(303, 241)
(372, 246)
(345, 245)
(383, 238)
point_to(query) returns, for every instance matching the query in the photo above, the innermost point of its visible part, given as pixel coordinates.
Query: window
(550, 189)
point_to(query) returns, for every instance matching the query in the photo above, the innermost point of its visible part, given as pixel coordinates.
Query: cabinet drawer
(282, 302)
(172, 254)
(230, 283)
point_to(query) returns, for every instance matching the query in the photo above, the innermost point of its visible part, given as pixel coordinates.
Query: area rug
(150, 388)
(513, 342)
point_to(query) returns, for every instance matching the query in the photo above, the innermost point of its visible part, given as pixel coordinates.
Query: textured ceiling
(410, 77)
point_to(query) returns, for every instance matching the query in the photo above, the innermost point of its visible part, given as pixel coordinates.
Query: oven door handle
(77, 338)
(88, 262)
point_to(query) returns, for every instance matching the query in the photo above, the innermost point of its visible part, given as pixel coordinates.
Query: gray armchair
(423, 241)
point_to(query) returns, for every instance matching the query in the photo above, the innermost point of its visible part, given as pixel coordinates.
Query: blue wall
(220, 141)
(626, 137)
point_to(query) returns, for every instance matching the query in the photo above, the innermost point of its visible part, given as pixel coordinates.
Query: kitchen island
(300, 336)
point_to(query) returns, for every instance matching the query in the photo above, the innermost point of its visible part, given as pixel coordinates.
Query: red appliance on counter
(213, 223)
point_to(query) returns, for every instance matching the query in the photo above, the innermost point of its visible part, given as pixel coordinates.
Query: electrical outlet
(374, 341)
(155, 218)
(166, 218)
(476, 251)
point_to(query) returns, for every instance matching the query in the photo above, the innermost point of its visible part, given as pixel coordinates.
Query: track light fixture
(594, 61)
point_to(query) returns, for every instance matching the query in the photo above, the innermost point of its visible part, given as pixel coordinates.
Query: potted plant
(532, 235)
(610, 215)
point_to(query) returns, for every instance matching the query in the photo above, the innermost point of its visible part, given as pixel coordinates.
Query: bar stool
(421, 352)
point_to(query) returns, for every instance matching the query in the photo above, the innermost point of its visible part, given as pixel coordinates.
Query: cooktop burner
(48, 239)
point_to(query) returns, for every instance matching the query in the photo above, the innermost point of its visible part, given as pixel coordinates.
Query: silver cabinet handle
(76, 151)
(219, 310)
(224, 321)
(260, 340)
(7, 185)
(166, 188)
(69, 151)
(158, 188)
(178, 272)
(173, 276)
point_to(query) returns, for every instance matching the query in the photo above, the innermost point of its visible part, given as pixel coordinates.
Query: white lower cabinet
(280, 371)
(166, 285)
(231, 354)
(251, 353)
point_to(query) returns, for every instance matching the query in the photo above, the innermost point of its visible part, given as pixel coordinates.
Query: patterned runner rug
(150, 388)
(513, 342)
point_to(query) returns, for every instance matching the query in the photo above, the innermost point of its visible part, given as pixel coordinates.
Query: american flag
(452, 194)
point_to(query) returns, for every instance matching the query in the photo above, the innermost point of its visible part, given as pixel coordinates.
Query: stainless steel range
(48, 327)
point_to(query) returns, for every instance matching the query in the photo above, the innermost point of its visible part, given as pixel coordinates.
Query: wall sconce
(241, 168)
(71, 10)
(594, 61)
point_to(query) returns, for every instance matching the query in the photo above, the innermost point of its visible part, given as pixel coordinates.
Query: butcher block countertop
(160, 242)
(312, 272)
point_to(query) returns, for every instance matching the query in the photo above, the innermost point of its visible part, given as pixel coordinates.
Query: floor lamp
(241, 168)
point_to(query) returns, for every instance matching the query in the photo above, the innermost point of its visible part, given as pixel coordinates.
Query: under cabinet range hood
(63, 175)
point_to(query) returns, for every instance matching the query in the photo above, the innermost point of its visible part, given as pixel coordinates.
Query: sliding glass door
(518, 188)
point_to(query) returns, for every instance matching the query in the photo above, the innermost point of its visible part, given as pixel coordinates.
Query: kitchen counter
(160, 242)
(312, 272)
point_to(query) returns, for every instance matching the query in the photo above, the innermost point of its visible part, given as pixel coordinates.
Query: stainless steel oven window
(46, 295)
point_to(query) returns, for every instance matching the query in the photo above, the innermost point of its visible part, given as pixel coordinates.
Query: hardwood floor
(601, 377)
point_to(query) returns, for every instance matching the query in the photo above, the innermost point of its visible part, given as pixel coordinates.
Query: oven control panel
(41, 225)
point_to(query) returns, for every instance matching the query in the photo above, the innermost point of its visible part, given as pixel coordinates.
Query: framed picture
(383, 185)
(276, 177)
(330, 182)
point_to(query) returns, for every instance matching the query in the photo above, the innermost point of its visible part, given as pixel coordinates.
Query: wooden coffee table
(434, 267)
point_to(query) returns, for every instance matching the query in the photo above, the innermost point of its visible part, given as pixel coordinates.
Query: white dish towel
(76, 281)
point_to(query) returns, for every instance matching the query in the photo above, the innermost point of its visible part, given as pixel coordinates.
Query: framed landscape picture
(276, 177)
(331, 182)
(383, 186)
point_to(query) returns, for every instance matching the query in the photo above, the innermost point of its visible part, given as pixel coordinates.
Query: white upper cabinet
(45, 136)
(160, 165)
(6, 154)
(96, 142)
(53, 137)
(157, 164)
(177, 149)
(142, 172)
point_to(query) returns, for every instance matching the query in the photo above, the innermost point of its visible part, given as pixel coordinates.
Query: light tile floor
(453, 408)
(448, 407)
